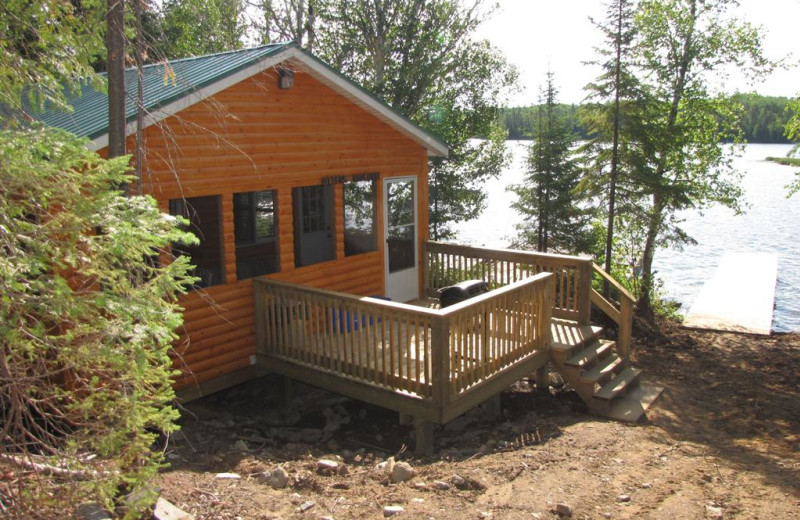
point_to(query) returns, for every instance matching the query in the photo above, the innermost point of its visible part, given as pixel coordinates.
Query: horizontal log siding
(252, 137)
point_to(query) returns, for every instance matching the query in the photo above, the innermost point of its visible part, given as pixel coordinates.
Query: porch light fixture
(285, 78)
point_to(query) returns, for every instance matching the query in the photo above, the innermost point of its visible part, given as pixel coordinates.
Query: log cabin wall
(250, 137)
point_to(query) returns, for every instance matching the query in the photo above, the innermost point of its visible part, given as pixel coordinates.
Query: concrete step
(591, 354)
(624, 381)
(603, 370)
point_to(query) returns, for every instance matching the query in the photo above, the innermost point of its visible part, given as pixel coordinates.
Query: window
(255, 225)
(360, 224)
(204, 215)
(314, 240)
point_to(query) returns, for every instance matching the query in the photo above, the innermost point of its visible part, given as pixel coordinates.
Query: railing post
(625, 329)
(546, 298)
(426, 269)
(440, 362)
(584, 291)
(260, 316)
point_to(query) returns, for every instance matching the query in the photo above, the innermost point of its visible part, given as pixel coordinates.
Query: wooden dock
(740, 297)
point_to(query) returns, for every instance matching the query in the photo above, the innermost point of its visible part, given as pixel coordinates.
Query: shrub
(88, 312)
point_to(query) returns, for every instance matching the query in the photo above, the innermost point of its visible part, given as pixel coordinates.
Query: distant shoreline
(785, 161)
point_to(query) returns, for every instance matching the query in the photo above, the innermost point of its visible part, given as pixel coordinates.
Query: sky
(536, 35)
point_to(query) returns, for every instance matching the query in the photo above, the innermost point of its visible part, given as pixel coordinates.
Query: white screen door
(400, 218)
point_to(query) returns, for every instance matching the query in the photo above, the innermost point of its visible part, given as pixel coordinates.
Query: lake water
(771, 224)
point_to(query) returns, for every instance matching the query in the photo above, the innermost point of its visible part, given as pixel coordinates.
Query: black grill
(461, 291)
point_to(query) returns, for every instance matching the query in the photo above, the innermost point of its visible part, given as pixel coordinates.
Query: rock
(164, 510)
(606, 515)
(392, 510)
(92, 511)
(277, 478)
(484, 514)
(418, 500)
(624, 498)
(240, 445)
(441, 485)
(305, 506)
(459, 482)
(713, 512)
(647, 485)
(402, 472)
(343, 470)
(564, 510)
(386, 466)
(327, 466)
(228, 476)
(421, 486)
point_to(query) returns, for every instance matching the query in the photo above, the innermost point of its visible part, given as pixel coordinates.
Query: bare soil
(723, 441)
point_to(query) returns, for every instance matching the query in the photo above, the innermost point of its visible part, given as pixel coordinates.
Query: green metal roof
(169, 82)
(90, 108)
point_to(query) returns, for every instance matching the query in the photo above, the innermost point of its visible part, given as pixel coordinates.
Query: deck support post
(542, 382)
(423, 431)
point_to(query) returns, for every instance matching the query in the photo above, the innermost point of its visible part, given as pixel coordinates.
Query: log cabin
(310, 199)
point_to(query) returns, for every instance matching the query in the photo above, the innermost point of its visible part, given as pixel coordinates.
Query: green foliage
(45, 46)
(87, 317)
(421, 59)
(520, 122)
(793, 133)
(681, 163)
(197, 27)
(616, 96)
(763, 118)
(552, 218)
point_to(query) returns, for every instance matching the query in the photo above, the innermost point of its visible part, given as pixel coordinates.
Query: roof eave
(315, 68)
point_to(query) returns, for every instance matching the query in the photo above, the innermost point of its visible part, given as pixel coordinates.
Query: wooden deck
(430, 363)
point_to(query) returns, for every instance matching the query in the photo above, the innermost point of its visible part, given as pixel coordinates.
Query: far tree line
(763, 119)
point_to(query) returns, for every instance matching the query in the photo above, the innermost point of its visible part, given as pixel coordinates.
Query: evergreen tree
(553, 220)
(613, 96)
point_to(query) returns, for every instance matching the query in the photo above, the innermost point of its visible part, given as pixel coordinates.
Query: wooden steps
(605, 382)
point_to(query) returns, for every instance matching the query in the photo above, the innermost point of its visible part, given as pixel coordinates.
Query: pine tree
(612, 96)
(553, 220)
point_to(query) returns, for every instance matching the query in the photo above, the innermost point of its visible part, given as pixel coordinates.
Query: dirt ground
(723, 441)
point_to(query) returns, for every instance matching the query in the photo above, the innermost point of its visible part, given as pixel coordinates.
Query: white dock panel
(740, 297)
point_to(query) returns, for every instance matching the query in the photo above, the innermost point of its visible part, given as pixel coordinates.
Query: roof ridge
(213, 54)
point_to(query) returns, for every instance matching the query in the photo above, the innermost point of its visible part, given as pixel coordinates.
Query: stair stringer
(606, 383)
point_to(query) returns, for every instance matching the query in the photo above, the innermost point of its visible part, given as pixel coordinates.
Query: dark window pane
(203, 214)
(254, 228)
(314, 237)
(360, 222)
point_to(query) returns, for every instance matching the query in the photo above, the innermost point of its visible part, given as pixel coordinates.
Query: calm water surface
(771, 224)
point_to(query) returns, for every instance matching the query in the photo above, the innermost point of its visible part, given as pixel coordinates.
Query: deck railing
(618, 305)
(447, 264)
(436, 355)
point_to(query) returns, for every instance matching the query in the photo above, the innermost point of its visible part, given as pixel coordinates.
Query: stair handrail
(620, 312)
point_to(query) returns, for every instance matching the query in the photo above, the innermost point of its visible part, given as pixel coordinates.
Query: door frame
(398, 285)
